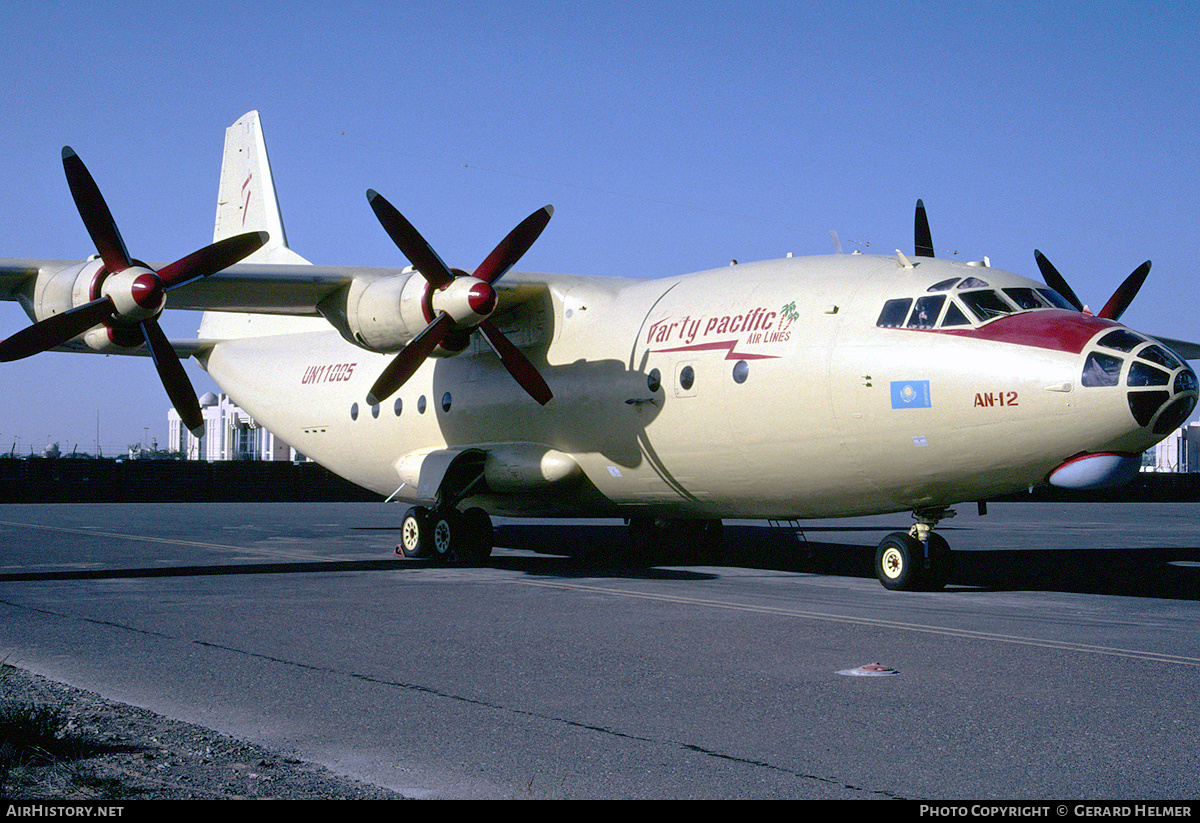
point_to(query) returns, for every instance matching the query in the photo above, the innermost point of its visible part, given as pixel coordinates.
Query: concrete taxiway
(1061, 662)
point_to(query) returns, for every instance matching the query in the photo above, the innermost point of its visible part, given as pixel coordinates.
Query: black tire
(414, 533)
(900, 562)
(477, 526)
(941, 563)
(701, 541)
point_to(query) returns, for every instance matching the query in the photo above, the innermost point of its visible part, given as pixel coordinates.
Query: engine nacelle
(384, 314)
(54, 292)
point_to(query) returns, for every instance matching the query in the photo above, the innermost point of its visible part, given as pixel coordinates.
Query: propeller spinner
(132, 295)
(458, 303)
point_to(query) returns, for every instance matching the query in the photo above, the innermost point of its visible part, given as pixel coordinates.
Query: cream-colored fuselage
(766, 390)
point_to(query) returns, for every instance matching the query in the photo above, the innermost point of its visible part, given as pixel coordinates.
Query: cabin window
(925, 312)
(687, 377)
(446, 402)
(741, 370)
(1101, 370)
(894, 312)
(654, 380)
(399, 405)
(421, 404)
(375, 411)
(353, 411)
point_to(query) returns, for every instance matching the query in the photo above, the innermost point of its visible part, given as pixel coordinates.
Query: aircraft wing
(260, 288)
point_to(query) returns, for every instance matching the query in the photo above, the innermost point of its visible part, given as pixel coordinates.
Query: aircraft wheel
(645, 540)
(941, 563)
(414, 533)
(711, 539)
(899, 561)
(477, 527)
(447, 535)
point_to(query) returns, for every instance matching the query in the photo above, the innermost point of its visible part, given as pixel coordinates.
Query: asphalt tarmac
(1060, 663)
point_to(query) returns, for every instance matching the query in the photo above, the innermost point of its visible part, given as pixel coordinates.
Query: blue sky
(669, 136)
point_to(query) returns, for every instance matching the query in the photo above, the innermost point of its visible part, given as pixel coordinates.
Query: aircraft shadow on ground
(1172, 573)
(603, 550)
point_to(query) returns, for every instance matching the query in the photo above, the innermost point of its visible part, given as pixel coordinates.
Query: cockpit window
(1121, 340)
(925, 312)
(985, 304)
(954, 316)
(1159, 355)
(1026, 298)
(1101, 370)
(1142, 374)
(1056, 299)
(894, 312)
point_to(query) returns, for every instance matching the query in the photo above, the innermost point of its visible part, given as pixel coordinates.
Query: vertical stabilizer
(246, 200)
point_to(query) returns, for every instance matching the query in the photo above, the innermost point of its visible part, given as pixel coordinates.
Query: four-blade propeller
(1116, 304)
(457, 303)
(131, 295)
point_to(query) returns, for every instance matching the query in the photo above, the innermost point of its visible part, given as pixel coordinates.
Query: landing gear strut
(916, 560)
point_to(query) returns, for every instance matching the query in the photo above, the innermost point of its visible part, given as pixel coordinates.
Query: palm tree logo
(790, 313)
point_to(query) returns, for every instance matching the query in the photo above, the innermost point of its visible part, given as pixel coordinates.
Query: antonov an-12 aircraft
(806, 387)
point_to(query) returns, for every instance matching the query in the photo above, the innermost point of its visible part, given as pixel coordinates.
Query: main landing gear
(916, 560)
(446, 534)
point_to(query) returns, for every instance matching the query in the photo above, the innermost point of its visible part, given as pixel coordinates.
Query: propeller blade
(211, 259)
(56, 330)
(1055, 280)
(923, 239)
(174, 378)
(410, 242)
(410, 358)
(518, 365)
(96, 217)
(512, 247)
(1124, 295)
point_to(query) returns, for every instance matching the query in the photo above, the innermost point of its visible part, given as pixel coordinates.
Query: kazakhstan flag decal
(910, 394)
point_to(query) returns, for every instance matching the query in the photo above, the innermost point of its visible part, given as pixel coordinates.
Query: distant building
(1180, 452)
(229, 434)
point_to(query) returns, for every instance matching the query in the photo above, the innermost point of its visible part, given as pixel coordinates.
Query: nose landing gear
(916, 560)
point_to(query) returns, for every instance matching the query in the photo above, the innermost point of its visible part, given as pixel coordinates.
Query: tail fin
(246, 200)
